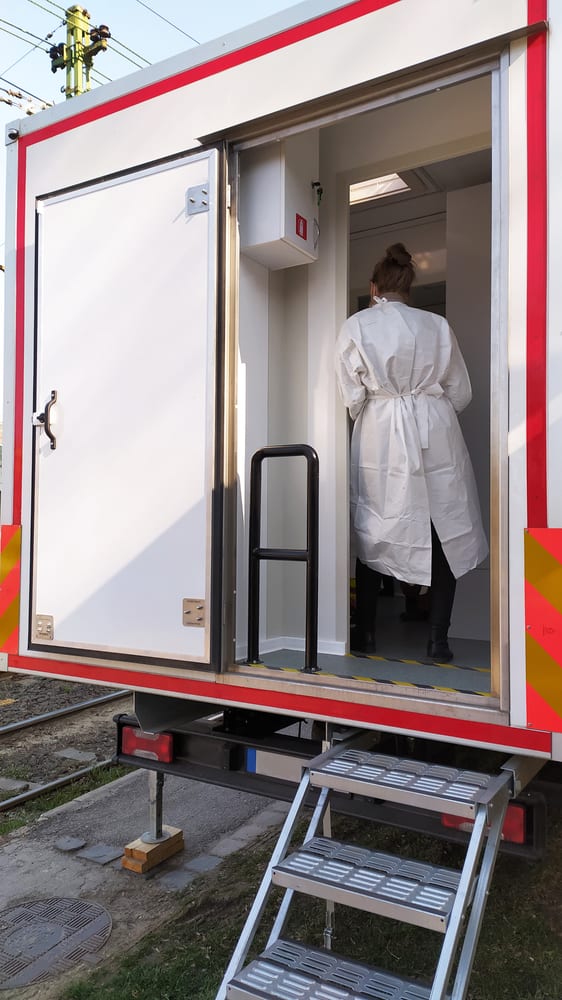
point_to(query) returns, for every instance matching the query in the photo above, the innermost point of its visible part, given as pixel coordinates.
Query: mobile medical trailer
(217, 205)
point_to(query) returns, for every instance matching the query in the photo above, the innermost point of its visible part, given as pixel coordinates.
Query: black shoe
(439, 650)
(364, 644)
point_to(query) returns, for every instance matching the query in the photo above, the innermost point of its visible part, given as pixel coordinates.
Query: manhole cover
(48, 936)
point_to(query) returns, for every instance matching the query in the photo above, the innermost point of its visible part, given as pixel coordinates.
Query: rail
(309, 555)
(57, 713)
(52, 786)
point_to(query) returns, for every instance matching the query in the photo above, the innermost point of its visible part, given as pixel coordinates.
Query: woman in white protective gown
(414, 505)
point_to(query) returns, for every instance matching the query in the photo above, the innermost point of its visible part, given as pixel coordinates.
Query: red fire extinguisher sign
(301, 227)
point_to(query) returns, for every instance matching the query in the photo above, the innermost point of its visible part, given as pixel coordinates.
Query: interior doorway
(441, 211)
(293, 300)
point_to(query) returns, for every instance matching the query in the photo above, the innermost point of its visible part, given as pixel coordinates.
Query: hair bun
(398, 254)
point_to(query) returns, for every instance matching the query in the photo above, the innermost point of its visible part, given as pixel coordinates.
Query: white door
(125, 413)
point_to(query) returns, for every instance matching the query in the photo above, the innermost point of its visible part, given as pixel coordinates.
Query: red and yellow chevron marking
(543, 613)
(10, 557)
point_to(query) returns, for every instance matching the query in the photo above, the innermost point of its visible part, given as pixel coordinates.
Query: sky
(143, 32)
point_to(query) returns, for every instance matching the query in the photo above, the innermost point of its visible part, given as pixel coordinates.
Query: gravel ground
(22, 696)
(34, 755)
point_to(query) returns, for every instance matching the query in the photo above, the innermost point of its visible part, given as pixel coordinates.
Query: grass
(519, 956)
(13, 819)
(17, 772)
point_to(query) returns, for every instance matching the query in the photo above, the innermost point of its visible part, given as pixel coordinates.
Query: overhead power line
(20, 38)
(105, 79)
(33, 47)
(53, 4)
(15, 99)
(123, 56)
(126, 47)
(24, 31)
(18, 87)
(171, 23)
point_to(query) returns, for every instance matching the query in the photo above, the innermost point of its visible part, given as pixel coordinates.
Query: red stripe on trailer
(19, 330)
(537, 10)
(456, 730)
(255, 50)
(536, 270)
(282, 39)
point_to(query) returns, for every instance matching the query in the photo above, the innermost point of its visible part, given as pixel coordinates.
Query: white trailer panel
(122, 487)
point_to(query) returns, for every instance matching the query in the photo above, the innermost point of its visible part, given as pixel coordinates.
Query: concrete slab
(69, 843)
(102, 854)
(203, 863)
(13, 785)
(81, 756)
(227, 846)
(176, 881)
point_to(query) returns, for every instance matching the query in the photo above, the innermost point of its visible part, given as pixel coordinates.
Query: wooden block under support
(140, 857)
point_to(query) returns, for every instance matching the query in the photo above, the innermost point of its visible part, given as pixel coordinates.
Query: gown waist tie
(419, 399)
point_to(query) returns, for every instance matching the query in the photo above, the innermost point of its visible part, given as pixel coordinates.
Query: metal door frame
(493, 61)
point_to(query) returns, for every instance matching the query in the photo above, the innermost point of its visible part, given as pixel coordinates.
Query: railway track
(58, 713)
(39, 753)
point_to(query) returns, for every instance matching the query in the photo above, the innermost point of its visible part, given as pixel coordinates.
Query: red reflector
(514, 825)
(153, 746)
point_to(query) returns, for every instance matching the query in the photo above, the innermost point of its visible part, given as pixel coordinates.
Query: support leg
(155, 832)
(330, 905)
(159, 842)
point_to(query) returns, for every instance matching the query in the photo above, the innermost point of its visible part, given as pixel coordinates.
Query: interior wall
(445, 123)
(468, 312)
(287, 424)
(253, 402)
(418, 222)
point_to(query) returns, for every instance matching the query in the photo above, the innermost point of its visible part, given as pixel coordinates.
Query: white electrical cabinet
(279, 196)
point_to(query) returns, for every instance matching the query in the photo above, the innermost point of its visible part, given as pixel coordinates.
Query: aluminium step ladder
(449, 902)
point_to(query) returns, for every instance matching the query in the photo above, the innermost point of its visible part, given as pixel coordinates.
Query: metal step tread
(401, 888)
(429, 786)
(290, 971)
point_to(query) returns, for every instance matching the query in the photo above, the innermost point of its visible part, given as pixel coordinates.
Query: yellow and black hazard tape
(395, 683)
(418, 663)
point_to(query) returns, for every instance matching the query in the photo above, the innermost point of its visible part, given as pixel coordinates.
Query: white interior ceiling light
(377, 187)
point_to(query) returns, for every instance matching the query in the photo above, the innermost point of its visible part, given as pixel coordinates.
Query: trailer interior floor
(452, 677)
(400, 658)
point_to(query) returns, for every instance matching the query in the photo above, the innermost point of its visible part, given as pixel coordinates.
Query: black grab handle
(308, 555)
(45, 419)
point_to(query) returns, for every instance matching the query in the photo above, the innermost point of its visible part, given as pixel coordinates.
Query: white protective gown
(403, 378)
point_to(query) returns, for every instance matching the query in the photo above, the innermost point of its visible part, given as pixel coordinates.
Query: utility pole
(77, 56)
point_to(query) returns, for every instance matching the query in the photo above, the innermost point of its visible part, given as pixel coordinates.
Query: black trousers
(443, 586)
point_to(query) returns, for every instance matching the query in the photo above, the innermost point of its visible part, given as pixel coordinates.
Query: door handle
(44, 419)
